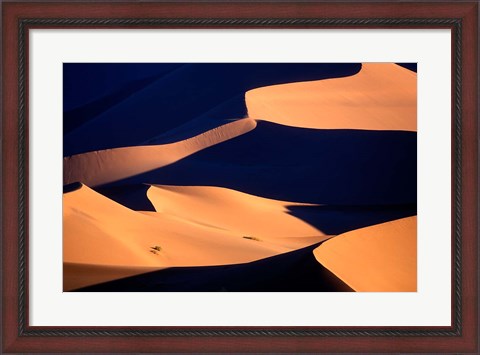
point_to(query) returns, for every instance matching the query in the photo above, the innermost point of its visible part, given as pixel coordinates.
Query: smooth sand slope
(245, 215)
(181, 95)
(100, 232)
(334, 167)
(210, 199)
(379, 258)
(382, 96)
(104, 166)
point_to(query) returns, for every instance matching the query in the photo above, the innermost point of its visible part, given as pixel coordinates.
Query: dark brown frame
(460, 17)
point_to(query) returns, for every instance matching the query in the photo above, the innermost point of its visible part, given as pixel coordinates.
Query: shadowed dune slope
(171, 185)
(82, 275)
(92, 88)
(211, 119)
(410, 66)
(85, 83)
(339, 167)
(335, 220)
(104, 166)
(182, 95)
(293, 271)
(133, 196)
(330, 220)
(382, 96)
(380, 258)
(98, 231)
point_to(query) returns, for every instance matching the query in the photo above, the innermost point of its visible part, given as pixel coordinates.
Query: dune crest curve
(248, 215)
(105, 166)
(379, 258)
(382, 96)
(98, 231)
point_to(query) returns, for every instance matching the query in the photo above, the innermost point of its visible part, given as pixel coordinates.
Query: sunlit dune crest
(104, 166)
(98, 231)
(121, 115)
(232, 210)
(379, 258)
(382, 96)
(172, 185)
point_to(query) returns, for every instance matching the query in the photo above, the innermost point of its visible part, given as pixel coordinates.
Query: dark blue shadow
(296, 271)
(130, 196)
(340, 219)
(127, 117)
(409, 66)
(337, 167)
(84, 83)
(75, 118)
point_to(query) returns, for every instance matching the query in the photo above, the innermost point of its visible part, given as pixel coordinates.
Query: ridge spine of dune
(105, 166)
(193, 226)
(378, 258)
(241, 177)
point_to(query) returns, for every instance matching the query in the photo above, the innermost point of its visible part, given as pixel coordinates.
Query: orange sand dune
(379, 258)
(382, 96)
(104, 166)
(226, 209)
(98, 231)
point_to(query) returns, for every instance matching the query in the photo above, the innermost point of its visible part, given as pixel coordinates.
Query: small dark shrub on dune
(251, 238)
(155, 249)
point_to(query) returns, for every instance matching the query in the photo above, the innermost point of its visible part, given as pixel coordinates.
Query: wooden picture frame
(19, 17)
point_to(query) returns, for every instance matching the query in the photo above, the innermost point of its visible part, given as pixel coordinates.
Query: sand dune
(104, 166)
(382, 96)
(226, 177)
(295, 271)
(98, 231)
(380, 258)
(181, 95)
(231, 210)
(100, 87)
(331, 167)
(87, 83)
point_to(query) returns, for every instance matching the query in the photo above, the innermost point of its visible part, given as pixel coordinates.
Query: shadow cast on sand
(337, 167)
(148, 107)
(409, 66)
(334, 220)
(76, 117)
(131, 196)
(361, 177)
(296, 271)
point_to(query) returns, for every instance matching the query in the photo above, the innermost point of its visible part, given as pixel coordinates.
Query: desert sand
(232, 210)
(268, 177)
(121, 115)
(104, 166)
(329, 167)
(380, 258)
(186, 230)
(296, 270)
(81, 275)
(382, 96)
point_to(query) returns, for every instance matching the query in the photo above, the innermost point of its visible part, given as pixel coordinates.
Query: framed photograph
(240, 177)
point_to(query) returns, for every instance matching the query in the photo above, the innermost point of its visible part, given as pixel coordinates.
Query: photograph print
(239, 177)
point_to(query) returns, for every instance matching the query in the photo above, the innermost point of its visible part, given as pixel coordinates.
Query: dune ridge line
(378, 258)
(105, 166)
(381, 96)
(99, 231)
